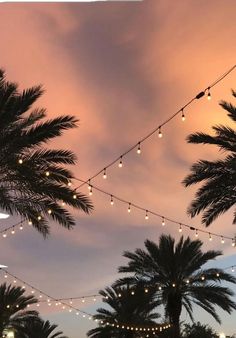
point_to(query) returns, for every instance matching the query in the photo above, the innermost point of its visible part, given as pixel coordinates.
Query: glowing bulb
(39, 218)
(5, 276)
(187, 281)
(129, 208)
(232, 269)
(94, 299)
(217, 275)
(160, 133)
(91, 191)
(4, 235)
(180, 228)
(49, 211)
(30, 222)
(163, 221)
(146, 290)
(202, 278)
(222, 240)
(112, 200)
(139, 149)
(209, 94)
(74, 196)
(196, 233)
(160, 288)
(233, 242)
(69, 184)
(132, 293)
(83, 300)
(104, 173)
(210, 237)
(173, 285)
(146, 216)
(20, 161)
(120, 163)
(183, 115)
(47, 173)
(63, 204)
(13, 231)
(119, 295)
(21, 227)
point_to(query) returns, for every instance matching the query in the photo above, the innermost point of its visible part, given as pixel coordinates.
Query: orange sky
(121, 68)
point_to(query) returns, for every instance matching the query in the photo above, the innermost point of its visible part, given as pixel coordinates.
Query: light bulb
(13, 231)
(209, 94)
(120, 163)
(146, 216)
(160, 133)
(112, 201)
(180, 228)
(39, 218)
(30, 222)
(5, 276)
(146, 290)
(74, 196)
(183, 116)
(94, 299)
(139, 149)
(104, 173)
(163, 221)
(69, 184)
(132, 293)
(119, 295)
(91, 191)
(173, 285)
(232, 269)
(196, 233)
(20, 161)
(233, 242)
(63, 204)
(222, 240)
(129, 208)
(21, 227)
(47, 173)
(202, 278)
(217, 275)
(49, 211)
(210, 237)
(4, 235)
(83, 300)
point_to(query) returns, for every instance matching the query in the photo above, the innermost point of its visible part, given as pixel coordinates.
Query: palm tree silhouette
(176, 272)
(38, 328)
(34, 179)
(13, 307)
(218, 192)
(136, 310)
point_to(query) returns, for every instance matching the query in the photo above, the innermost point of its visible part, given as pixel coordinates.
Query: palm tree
(199, 330)
(13, 305)
(218, 192)
(37, 328)
(176, 271)
(34, 182)
(126, 309)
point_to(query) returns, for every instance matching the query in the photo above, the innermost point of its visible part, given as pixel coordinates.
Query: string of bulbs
(147, 212)
(158, 129)
(71, 308)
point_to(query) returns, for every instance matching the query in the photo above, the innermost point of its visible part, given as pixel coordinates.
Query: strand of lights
(159, 128)
(163, 218)
(71, 308)
(12, 229)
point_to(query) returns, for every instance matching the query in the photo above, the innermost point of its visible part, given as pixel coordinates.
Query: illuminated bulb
(208, 95)
(71, 302)
(8, 306)
(30, 223)
(180, 228)
(21, 227)
(119, 295)
(196, 233)
(40, 296)
(91, 191)
(217, 275)
(20, 161)
(120, 163)
(14, 281)
(4, 235)
(187, 281)
(39, 218)
(74, 196)
(173, 285)
(47, 173)
(32, 291)
(77, 313)
(38, 304)
(83, 300)
(139, 149)
(202, 278)
(23, 286)
(70, 310)
(89, 185)
(233, 242)
(160, 288)
(5, 276)
(222, 240)
(104, 173)
(112, 201)
(49, 211)
(94, 299)
(160, 133)
(146, 290)
(129, 208)
(63, 204)
(163, 221)
(210, 237)
(232, 269)
(132, 293)
(84, 316)
(13, 231)
(146, 216)
(69, 184)
(183, 115)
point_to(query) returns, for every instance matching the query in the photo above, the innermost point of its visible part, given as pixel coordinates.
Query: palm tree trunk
(174, 310)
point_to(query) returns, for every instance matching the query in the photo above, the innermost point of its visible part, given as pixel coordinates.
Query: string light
(222, 240)
(146, 216)
(210, 237)
(169, 119)
(208, 94)
(129, 208)
(196, 233)
(13, 231)
(183, 115)
(39, 218)
(139, 149)
(112, 200)
(180, 227)
(47, 173)
(74, 196)
(163, 221)
(121, 163)
(20, 161)
(104, 173)
(160, 132)
(49, 211)
(21, 227)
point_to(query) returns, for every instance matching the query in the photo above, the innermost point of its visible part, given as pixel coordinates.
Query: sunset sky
(121, 68)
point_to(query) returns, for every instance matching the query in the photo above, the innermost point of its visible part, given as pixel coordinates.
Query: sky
(121, 68)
